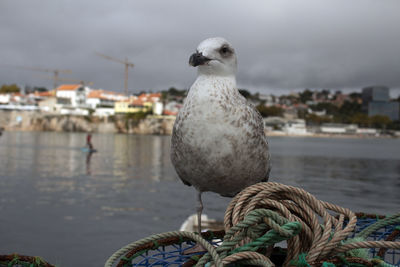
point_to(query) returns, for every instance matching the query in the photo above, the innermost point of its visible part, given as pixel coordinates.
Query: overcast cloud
(282, 45)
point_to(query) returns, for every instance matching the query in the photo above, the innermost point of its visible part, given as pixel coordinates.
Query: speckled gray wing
(256, 133)
(198, 159)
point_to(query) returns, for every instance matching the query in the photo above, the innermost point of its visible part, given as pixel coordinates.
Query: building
(48, 104)
(375, 93)
(5, 98)
(72, 95)
(273, 123)
(338, 128)
(172, 108)
(142, 103)
(103, 102)
(390, 109)
(103, 98)
(295, 127)
(376, 101)
(71, 99)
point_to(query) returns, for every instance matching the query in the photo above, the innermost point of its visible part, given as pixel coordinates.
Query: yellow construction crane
(55, 72)
(127, 65)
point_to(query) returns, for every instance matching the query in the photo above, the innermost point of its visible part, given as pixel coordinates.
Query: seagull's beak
(198, 59)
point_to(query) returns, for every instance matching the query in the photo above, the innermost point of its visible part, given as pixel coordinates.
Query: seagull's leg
(199, 211)
(197, 248)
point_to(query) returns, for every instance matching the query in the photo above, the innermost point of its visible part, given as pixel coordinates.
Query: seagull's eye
(224, 50)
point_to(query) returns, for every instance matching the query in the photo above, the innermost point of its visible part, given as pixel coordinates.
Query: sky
(282, 45)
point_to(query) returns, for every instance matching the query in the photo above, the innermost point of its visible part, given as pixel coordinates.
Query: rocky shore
(39, 121)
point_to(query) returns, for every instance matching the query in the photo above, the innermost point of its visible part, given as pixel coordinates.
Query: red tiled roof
(107, 95)
(169, 112)
(45, 94)
(95, 94)
(149, 97)
(69, 87)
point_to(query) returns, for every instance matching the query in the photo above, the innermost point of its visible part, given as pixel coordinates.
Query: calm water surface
(75, 209)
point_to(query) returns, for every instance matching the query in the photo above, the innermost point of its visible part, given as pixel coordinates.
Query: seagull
(218, 142)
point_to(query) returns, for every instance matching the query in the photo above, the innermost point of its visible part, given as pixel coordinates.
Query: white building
(295, 127)
(367, 131)
(71, 99)
(48, 104)
(72, 95)
(5, 98)
(338, 128)
(158, 108)
(102, 98)
(103, 102)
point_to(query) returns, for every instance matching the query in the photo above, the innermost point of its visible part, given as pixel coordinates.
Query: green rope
(394, 219)
(301, 261)
(16, 261)
(271, 237)
(381, 263)
(283, 230)
(358, 252)
(264, 227)
(328, 264)
(254, 224)
(195, 237)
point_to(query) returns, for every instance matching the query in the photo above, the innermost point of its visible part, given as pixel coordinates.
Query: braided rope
(295, 204)
(195, 237)
(267, 213)
(256, 259)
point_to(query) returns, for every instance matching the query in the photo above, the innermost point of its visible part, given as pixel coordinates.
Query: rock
(38, 121)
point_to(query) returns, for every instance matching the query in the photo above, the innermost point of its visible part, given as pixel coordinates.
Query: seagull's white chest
(208, 112)
(217, 143)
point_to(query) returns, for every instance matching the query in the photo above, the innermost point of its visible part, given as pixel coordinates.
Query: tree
(270, 111)
(302, 113)
(12, 88)
(361, 119)
(305, 96)
(355, 96)
(328, 107)
(175, 92)
(315, 119)
(350, 108)
(40, 89)
(347, 110)
(380, 121)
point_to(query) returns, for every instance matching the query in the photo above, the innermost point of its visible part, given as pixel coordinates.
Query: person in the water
(89, 141)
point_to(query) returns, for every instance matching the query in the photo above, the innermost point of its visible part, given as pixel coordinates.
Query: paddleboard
(86, 149)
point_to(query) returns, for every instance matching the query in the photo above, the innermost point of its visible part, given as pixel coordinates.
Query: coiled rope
(267, 213)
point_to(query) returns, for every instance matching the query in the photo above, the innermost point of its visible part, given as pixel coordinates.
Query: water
(74, 209)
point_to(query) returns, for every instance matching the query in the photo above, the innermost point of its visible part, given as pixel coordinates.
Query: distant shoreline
(320, 135)
(151, 125)
(268, 134)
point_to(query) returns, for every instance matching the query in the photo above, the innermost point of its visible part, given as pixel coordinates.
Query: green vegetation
(305, 96)
(137, 116)
(172, 92)
(317, 120)
(269, 111)
(12, 88)
(349, 112)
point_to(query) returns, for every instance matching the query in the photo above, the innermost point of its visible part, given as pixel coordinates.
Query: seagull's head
(215, 56)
